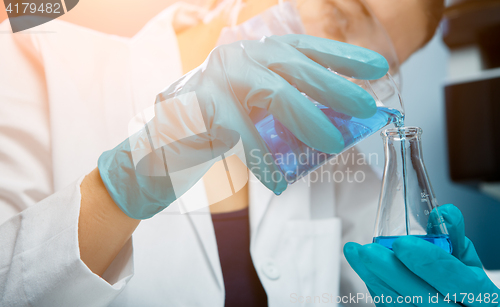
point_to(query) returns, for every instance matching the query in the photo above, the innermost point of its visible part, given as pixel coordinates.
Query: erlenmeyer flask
(407, 204)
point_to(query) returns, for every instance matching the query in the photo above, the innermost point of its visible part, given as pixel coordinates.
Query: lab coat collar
(201, 220)
(260, 198)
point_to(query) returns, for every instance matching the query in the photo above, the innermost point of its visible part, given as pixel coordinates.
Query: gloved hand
(211, 110)
(419, 268)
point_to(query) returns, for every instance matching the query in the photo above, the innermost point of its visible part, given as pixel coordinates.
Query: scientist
(71, 89)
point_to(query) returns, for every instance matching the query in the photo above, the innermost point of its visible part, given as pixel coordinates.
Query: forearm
(103, 228)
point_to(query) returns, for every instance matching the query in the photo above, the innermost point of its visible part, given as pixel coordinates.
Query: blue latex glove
(419, 268)
(236, 81)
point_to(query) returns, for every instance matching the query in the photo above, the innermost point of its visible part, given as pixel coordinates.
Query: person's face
(407, 22)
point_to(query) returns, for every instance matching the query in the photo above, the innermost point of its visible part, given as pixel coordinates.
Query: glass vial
(407, 204)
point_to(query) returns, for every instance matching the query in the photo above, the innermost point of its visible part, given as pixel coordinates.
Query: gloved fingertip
(414, 251)
(327, 138)
(369, 106)
(375, 66)
(405, 243)
(335, 143)
(368, 253)
(351, 253)
(446, 206)
(280, 188)
(455, 226)
(451, 214)
(358, 103)
(351, 247)
(380, 66)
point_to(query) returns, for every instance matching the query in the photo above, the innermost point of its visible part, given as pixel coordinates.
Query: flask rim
(401, 133)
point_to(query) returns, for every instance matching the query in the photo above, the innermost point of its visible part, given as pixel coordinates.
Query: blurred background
(451, 88)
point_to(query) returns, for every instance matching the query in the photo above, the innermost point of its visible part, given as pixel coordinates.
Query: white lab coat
(66, 95)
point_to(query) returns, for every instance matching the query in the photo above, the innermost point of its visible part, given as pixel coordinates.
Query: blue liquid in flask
(295, 159)
(442, 241)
